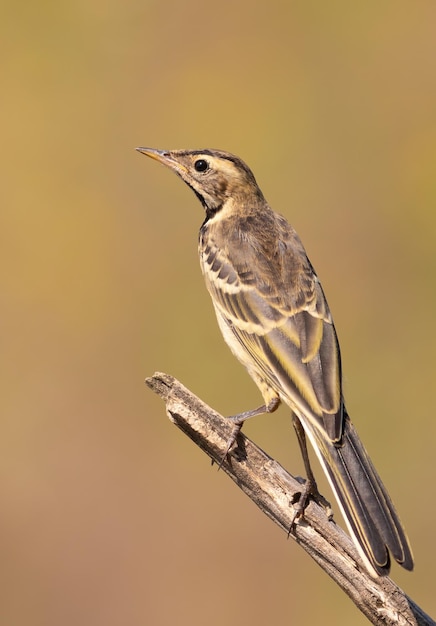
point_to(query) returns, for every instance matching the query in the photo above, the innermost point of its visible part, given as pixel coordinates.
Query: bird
(273, 314)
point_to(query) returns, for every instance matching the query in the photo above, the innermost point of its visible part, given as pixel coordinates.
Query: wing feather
(283, 328)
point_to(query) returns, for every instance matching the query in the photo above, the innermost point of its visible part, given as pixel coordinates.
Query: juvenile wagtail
(274, 316)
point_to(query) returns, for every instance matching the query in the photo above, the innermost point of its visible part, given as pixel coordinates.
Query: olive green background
(108, 514)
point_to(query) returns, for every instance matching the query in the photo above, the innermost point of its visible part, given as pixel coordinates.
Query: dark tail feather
(364, 501)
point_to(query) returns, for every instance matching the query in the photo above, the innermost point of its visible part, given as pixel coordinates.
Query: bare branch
(271, 487)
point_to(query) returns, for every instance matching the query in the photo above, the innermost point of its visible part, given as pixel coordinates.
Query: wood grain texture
(273, 490)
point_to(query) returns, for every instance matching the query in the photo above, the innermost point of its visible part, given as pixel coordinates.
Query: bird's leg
(310, 487)
(239, 419)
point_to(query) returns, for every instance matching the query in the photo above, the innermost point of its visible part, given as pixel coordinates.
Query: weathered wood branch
(271, 487)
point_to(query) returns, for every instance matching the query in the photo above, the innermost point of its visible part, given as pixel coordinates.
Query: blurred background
(108, 514)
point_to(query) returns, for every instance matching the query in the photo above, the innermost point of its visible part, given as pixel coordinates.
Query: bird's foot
(301, 500)
(236, 429)
(238, 421)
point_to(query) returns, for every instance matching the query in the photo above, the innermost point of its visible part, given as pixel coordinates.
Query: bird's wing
(284, 327)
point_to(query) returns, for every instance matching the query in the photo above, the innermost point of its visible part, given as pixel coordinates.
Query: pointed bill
(164, 157)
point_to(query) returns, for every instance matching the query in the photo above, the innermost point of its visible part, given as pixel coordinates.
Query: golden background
(108, 514)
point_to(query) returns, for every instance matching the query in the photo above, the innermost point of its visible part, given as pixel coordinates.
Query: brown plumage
(275, 318)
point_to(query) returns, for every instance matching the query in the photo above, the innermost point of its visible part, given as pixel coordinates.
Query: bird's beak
(165, 157)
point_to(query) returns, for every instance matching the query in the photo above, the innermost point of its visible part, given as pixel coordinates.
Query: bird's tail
(364, 501)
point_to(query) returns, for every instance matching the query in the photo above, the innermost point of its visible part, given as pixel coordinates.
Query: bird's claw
(301, 500)
(237, 425)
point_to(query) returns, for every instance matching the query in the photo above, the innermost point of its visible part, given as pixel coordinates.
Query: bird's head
(218, 178)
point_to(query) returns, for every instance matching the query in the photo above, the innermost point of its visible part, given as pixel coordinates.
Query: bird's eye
(201, 165)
